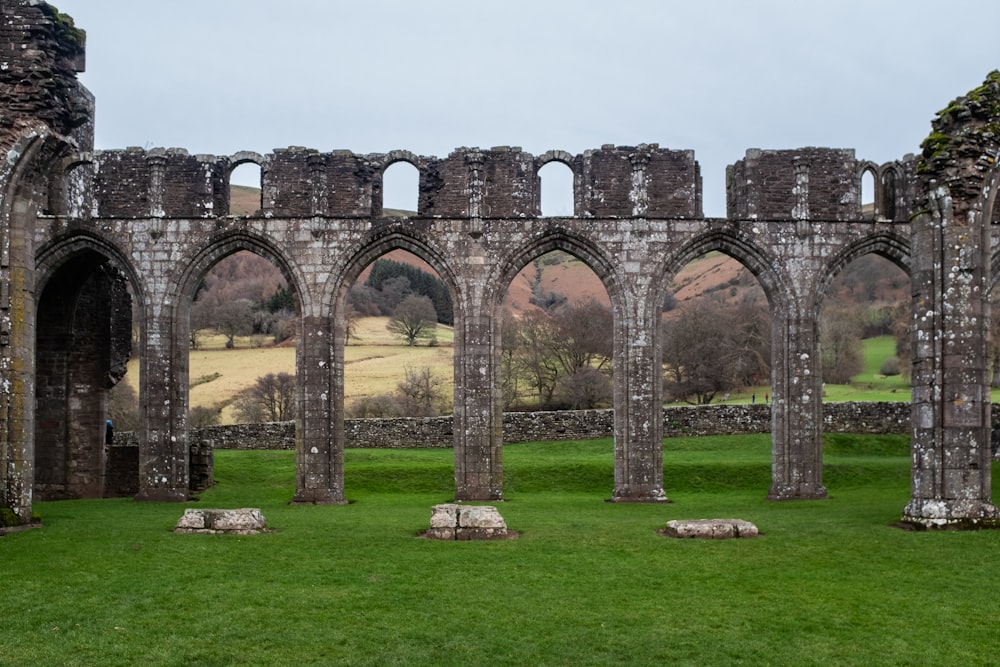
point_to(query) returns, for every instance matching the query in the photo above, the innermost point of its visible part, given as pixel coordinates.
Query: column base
(627, 496)
(954, 514)
(479, 495)
(162, 495)
(797, 492)
(319, 497)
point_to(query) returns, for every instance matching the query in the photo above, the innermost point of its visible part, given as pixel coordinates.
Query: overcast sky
(718, 77)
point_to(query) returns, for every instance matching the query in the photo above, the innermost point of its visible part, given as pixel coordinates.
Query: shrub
(889, 367)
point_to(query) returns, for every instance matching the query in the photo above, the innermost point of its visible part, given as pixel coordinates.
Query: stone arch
(55, 253)
(226, 243)
(888, 245)
(867, 168)
(571, 163)
(398, 235)
(243, 157)
(393, 237)
(234, 162)
(638, 469)
(889, 181)
(173, 325)
(392, 158)
(70, 188)
(556, 155)
(83, 343)
(796, 437)
(776, 284)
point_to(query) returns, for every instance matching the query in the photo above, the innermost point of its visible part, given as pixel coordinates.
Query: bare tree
(270, 399)
(711, 347)
(693, 344)
(840, 344)
(585, 389)
(413, 318)
(533, 339)
(234, 318)
(584, 336)
(421, 393)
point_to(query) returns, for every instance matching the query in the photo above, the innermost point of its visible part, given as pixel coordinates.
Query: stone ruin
(85, 232)
(710, 529)
(243, 521)
(464, 523)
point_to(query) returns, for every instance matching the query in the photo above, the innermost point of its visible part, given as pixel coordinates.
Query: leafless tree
(840, 344)
(413, 318)
(711, 347)
(421, 393)
(270, 399)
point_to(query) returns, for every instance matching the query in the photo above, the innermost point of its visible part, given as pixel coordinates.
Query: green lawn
(830, 582)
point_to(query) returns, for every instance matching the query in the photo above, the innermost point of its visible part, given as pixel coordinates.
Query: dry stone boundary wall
(407, 433)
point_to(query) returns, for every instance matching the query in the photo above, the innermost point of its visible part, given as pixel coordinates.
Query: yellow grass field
(374, 363)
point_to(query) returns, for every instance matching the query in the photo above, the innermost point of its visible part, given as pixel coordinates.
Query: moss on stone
(67, 34)
(973, 118)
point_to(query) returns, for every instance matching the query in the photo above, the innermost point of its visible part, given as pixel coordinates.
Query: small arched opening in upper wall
(245, 189)
(868, 209)
(400, 189)
(888, 207)
(555, 182)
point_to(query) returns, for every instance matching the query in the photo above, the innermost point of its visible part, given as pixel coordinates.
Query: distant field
(374, 363)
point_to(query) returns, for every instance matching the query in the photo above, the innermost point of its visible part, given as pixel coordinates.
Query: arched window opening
(556, 185)
(716, 329)
(868, 194)
(400, 190)
(243, 323)
(245, 190)
(399, 351)
(889, 195)
(557, 337)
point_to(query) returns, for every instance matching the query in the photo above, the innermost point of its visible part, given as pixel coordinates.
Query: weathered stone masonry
(77, 223)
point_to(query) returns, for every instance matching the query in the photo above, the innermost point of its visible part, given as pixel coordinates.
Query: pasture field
(830, 582)
(374, 363)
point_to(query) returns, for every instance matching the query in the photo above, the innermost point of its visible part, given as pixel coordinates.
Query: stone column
(157, 171)
(796, 407)
(478, 415)
(638, 399)
(163, 430)
(319, 422)
(951, 393)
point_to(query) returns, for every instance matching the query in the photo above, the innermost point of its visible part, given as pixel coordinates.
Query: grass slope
(588, 582)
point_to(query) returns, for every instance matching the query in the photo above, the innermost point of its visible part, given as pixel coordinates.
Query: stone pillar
(163, 432)
(317, 178)
(478, 415)
(157, 170)
(796, 408)
(951, 392)
(319, 422)
(638, 398)
(639, 192)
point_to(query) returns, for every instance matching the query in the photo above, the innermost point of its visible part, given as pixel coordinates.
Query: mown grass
(587, 583)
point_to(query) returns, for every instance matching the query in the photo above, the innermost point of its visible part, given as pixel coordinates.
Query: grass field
(587, 583)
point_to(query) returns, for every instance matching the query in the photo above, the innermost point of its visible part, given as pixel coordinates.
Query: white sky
(715, 76)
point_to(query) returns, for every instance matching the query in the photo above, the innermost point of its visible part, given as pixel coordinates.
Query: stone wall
(562, 425)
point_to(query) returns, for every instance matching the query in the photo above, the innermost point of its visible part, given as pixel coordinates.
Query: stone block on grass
(710, 529)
